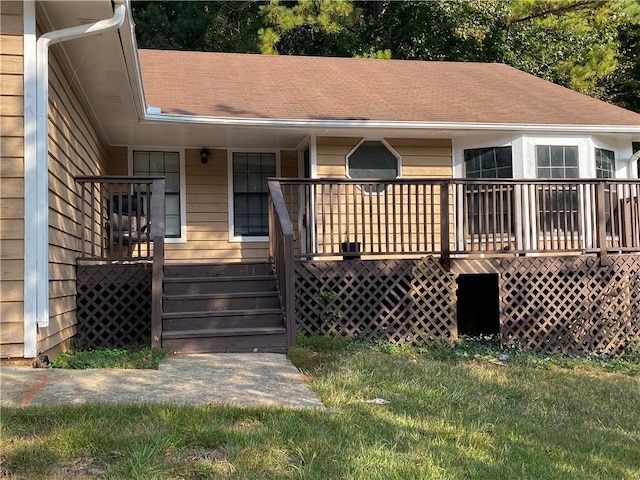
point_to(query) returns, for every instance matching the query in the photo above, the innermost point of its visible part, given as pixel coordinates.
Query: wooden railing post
(601, 222)
(157, 276)
(445, 258)
(281, 239)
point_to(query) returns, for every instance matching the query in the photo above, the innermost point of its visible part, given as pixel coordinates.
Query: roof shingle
(317, 88)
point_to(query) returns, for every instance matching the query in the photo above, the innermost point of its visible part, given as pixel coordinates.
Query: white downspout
(41, 238)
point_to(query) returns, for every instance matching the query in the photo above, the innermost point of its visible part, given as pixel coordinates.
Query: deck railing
(464, 217)
(281, 238)
(122, 220)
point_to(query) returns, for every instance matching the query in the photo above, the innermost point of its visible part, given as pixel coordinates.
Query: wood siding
(75, 148)
(207, 209)
(12, 181)
(420, 158)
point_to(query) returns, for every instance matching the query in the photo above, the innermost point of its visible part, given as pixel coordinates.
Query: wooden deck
(566, 253)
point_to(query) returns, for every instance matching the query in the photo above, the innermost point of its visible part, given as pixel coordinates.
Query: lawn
(451, 415)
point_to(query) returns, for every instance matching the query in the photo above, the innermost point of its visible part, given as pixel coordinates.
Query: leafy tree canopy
(591, 46)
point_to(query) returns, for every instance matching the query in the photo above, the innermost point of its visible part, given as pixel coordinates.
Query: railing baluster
(407, 217)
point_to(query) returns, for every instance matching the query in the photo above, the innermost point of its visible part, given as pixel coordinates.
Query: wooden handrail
(450, 217)
(281, 238)
(157, 276)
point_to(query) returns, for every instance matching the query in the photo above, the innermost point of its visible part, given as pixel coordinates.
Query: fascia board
(347, 124)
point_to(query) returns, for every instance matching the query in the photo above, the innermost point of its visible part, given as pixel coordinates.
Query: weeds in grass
(131, 357)
(453, 414)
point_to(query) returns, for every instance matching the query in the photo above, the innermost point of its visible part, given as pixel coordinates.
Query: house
(405, 197)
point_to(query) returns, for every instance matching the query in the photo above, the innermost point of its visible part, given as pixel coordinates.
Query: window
(557, 161)
(488, 210)
(635, 147)
(493, 162)
(250, 193)
(558, 203)
(165, 164)
(605, 163)
(373, 159)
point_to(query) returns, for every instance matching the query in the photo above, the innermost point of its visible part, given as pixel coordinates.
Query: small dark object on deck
(350, 250)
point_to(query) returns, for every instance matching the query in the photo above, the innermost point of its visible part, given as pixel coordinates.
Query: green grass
(451, 416)
(131, 357)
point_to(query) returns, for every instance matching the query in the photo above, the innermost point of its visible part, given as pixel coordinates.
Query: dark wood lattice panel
(402, 301)
(114, 305)
(570, 304)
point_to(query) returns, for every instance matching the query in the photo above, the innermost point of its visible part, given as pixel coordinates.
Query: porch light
(204, 155)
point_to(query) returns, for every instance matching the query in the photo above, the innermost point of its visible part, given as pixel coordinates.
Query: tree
(310, 27)
(199, 26)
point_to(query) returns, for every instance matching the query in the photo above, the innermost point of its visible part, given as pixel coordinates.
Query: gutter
(37, 242)
(304, 123)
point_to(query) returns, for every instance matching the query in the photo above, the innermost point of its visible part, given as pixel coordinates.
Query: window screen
(250, 194)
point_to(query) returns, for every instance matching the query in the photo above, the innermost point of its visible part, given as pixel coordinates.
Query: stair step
(266, 317)
(275, 343)
(220, 301)
(223, 332)
(222, 313)
(212, 285)
(190, 270)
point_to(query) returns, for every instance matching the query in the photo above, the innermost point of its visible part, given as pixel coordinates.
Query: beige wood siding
(118, 163)
(75, 148)
(12, 181)
(208, 213)
(420, 158)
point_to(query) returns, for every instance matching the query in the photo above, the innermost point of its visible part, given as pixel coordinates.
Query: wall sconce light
(204, 155)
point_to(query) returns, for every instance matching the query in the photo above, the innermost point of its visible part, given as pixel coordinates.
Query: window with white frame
(373, 159)
(250, 192)
(487, 208)
(491, 162)
(558, 204)
(605, 163)
(557, 161)
(165, 164)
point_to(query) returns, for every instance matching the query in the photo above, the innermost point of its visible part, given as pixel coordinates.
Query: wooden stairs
(221, 308)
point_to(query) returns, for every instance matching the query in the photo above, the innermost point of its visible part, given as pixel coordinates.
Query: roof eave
(386, 124)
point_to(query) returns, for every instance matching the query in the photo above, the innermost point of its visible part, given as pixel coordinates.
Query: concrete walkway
(251, 379)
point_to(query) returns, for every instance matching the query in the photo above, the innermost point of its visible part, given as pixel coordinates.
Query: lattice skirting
(570, 304)
(407, 301)
(547, 304)
(113, 304)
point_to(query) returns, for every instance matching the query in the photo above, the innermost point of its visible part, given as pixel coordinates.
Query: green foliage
(133, 357)
(310, 27)
(329, 313)
(224, 26)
